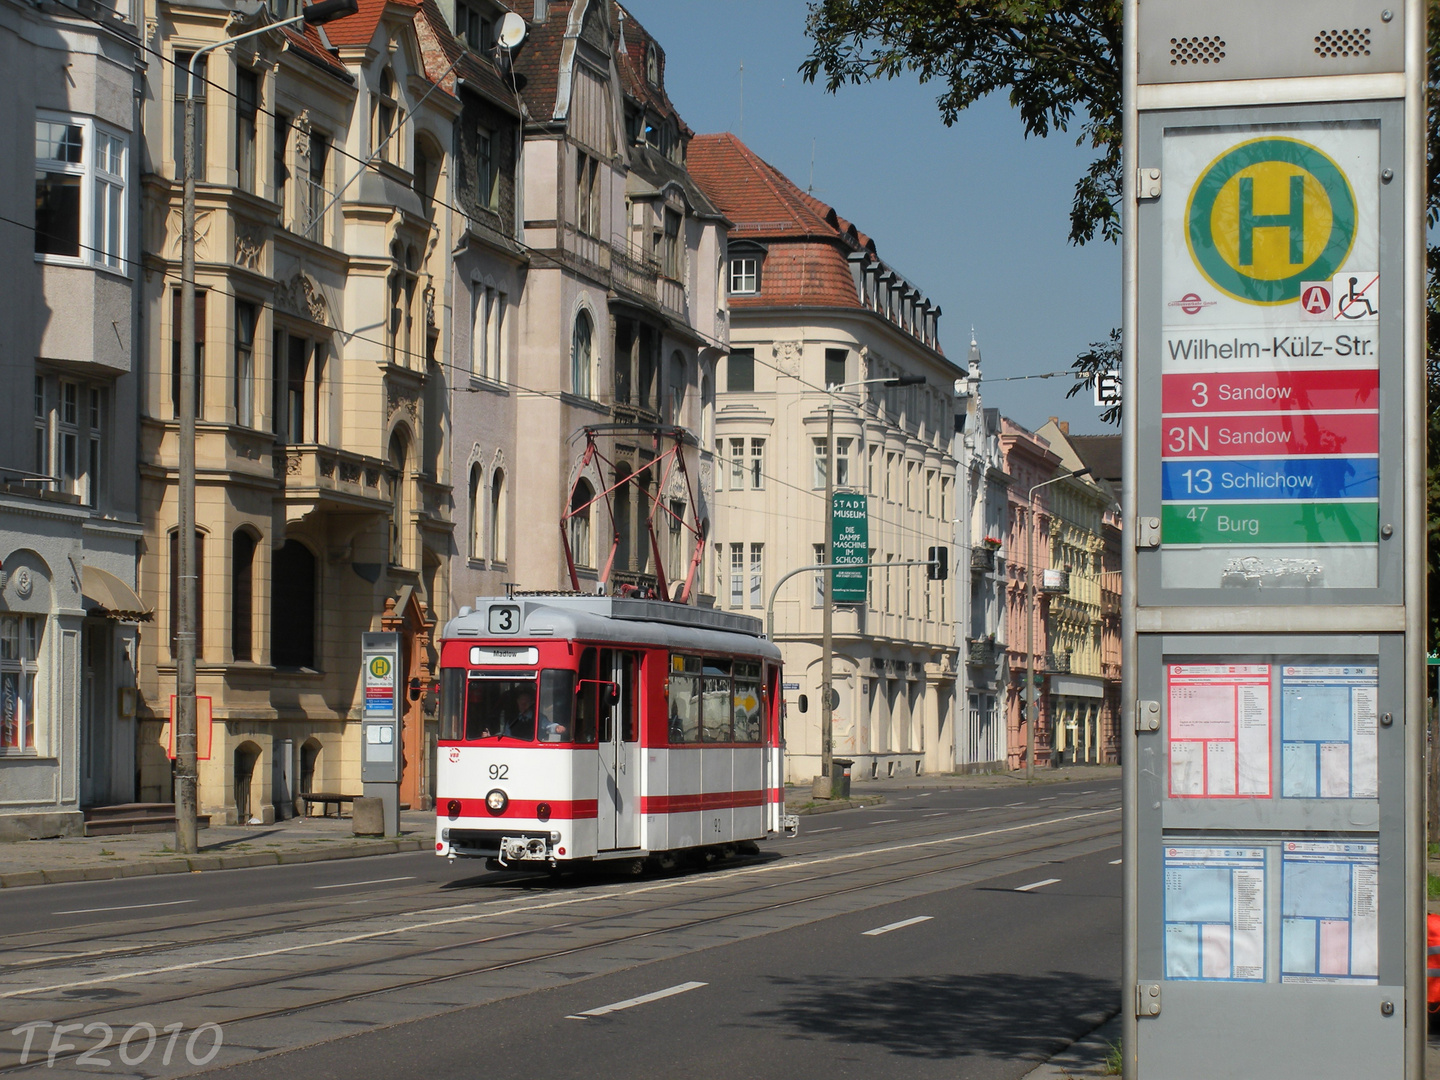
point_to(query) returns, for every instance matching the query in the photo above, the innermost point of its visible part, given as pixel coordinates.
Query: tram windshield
(517, 707)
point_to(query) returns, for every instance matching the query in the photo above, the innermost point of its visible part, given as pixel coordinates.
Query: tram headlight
(496, 801)
(453, 808)
(542, 811)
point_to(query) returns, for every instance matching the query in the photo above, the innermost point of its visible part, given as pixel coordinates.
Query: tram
(581, 728)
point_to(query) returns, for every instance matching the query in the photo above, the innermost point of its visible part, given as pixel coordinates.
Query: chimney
(1063, 425)
(542, 11)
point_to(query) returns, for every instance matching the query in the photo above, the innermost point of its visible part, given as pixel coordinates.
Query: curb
(199, 863)
(829, 806)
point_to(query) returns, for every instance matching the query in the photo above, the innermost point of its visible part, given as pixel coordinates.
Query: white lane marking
(1116, 862)
(508, 907)
(924, 795)
(906, 798)
(1048, 798)
(812, 832)
(1038, 884)
(1008, 805)
(122, 907)
(1090, 792)
(937, 813)
(976, 809)
(885, 821)
(643, 999)
(896, 925)
(372, 881)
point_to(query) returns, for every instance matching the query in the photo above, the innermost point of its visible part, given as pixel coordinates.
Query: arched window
(242, 595)
(473, 537)
(580, 549)
(399, 497)
(677, 388)
(497, 516)
(580, 350)
(385, 114)
(652, 66)
(292, 607)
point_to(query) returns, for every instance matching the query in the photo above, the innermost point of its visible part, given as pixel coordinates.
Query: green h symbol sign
(1293, 220)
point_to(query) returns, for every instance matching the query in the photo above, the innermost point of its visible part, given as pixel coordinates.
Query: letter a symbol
(1316, 300)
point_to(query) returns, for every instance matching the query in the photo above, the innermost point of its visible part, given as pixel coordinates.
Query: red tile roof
(308, 42)
(808, 245)
(539, 61)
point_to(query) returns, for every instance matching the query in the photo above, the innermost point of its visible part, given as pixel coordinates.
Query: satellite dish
(512, 31)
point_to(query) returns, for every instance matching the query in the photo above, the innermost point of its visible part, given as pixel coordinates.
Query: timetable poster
(1329, 735)
(1330, 922)
(1219, 730)
(1215, 914)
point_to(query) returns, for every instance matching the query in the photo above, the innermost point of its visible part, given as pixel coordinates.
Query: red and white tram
(578, 728)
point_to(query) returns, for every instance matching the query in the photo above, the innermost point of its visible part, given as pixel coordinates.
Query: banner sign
(849, 543)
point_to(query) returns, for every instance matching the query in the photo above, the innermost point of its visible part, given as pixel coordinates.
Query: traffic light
(939, 560)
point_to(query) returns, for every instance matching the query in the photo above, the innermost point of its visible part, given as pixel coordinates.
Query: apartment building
(812, 306)
(324, 210)
(981, 568)
(623, 320)
(70, 620)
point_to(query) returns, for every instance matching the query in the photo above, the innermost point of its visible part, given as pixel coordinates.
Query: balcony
(1056, 582)
(333, 479)
(1057, 663)
(983, 652)
(982, 560)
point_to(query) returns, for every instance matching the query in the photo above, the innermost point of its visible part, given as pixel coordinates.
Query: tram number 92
(499, 772)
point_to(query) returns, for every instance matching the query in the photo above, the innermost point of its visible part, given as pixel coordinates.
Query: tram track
(192, 930)
(1078, 834)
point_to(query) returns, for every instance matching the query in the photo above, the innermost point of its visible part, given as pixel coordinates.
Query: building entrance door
(97, 720)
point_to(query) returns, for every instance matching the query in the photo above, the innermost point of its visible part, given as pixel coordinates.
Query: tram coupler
(790, 824)
(524, 849)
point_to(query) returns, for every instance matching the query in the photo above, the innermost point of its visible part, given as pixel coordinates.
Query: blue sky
(975, 215)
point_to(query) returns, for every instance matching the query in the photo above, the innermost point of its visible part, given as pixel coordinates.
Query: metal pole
(186, 800)
(827, 716)
(1030, 635)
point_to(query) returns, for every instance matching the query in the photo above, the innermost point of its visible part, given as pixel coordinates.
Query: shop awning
(106, 595)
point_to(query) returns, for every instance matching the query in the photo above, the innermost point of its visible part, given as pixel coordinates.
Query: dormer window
(744, 276)
(652, 66)
(474, 26)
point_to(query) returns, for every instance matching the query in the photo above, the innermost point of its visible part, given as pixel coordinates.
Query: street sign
(1274, 582)
(1107, 389)
(849, 543)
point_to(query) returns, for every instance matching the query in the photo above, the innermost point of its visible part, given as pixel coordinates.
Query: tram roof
(619, 619)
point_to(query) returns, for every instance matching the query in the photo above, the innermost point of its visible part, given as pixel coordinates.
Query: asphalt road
(885, 941)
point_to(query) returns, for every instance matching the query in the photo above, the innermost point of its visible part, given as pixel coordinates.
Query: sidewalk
(222, 847)
(867, 792)
(1094, 1055)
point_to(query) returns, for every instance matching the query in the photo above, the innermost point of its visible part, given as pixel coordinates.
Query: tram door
(619, 811)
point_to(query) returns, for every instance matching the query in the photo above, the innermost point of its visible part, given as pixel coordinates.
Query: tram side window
(747, 701)
(629, 697)
(500, 708)
(586, 700)
(684, 699)
(557, 705)
(452, 702)
(717, 714)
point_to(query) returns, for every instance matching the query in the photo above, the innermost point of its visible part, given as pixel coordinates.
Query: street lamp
(185, 727)
(827, 750)
(1030, 717)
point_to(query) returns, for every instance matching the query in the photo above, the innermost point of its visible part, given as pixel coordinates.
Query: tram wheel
(748, 847)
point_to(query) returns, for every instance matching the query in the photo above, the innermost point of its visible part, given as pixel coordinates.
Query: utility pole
(1030, 713)
(827, 714)
(827, 719)
(186, 796)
